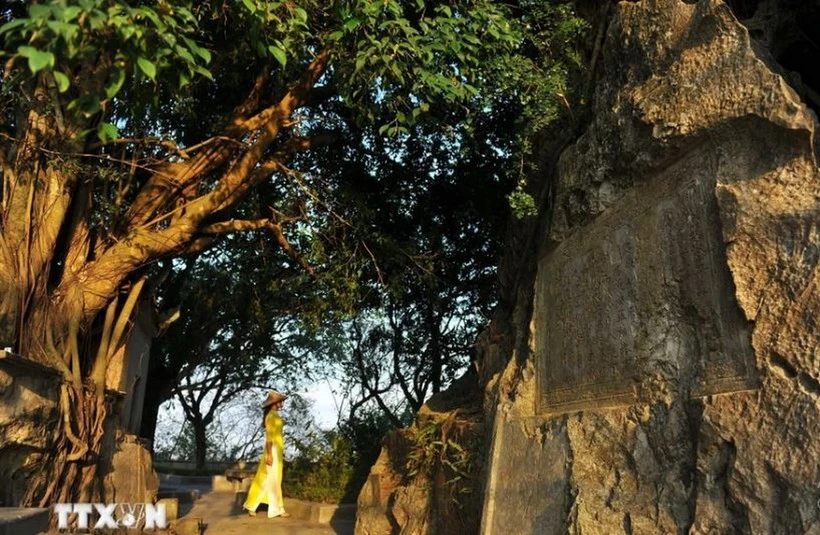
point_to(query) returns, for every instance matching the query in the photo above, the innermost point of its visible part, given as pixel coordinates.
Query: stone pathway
(222, 516)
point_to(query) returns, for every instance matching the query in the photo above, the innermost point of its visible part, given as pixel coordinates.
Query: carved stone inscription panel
(643, 292)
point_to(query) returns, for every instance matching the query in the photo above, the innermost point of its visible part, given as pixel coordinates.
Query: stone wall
(127, 468)
(28, 413)
(662, 365)
(128, 370)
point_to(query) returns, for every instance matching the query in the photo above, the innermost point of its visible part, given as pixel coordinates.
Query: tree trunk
(157, 392)
(200, 442)
(436, 358)
(68, 471)
(38, 228)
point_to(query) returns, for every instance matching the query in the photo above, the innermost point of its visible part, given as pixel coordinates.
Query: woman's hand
(268, 459)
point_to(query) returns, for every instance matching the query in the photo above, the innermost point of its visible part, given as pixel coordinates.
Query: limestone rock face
(655, 365)
(427, 478)
(663, 441)
(374, 514)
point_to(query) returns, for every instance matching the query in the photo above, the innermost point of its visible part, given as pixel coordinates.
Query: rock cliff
(654, 366)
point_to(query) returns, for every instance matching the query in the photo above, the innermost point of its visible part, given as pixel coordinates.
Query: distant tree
(430, 212)
(238, 313)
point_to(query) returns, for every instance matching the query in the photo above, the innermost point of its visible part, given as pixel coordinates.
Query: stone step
(181, 495)
(23, 520)
(316, 513)
(178, 480)
(231, 484)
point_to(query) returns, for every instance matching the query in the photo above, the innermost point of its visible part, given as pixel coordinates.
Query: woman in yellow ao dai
(266, 486)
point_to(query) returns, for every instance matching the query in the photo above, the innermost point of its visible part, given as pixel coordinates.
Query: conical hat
(274, 397)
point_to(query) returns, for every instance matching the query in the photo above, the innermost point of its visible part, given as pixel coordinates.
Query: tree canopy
(137, 133)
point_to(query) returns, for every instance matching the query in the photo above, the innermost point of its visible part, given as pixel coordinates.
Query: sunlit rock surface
(654, 364)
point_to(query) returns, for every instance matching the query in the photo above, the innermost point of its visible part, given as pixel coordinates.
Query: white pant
(272, 490)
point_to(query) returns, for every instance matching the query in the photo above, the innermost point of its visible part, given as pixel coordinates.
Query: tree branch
(254, 98)
(396, 348)
(244, 225)
(98, 281)
(373, 392)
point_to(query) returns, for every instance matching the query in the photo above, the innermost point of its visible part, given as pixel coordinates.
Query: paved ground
(222, 516)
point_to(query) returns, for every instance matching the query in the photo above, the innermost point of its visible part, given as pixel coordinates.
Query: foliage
(183, 447)
(429, 213)
(365, 431)
(234, 433)
(432, 450)
(137, 134)
(540, 75)
(399, 55)
(424, 213)
(321, 470)
(333, 465)
(522, 203)
(226, 332)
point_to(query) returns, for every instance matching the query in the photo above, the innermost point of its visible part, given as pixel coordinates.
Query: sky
(325, 404)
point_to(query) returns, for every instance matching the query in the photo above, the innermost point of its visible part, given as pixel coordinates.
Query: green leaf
(360, 61)
(127, 32)
(250, 5)
(203, 53)
(169, 38)
(64, 29)
(396, 71)
(37, 59)
(87, 105)
(39, 11)
(147, 67)
(97, 19)
(107, 131)
(184, 80)
(13, 24)
(185, 14)
(184, 54)
(152, 15)
(115, 84)
(279, 54)
(70, 13)
(204, 72)
(351, 24)
(63, 83)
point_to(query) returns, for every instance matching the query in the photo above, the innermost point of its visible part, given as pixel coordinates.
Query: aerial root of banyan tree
(68, 470)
